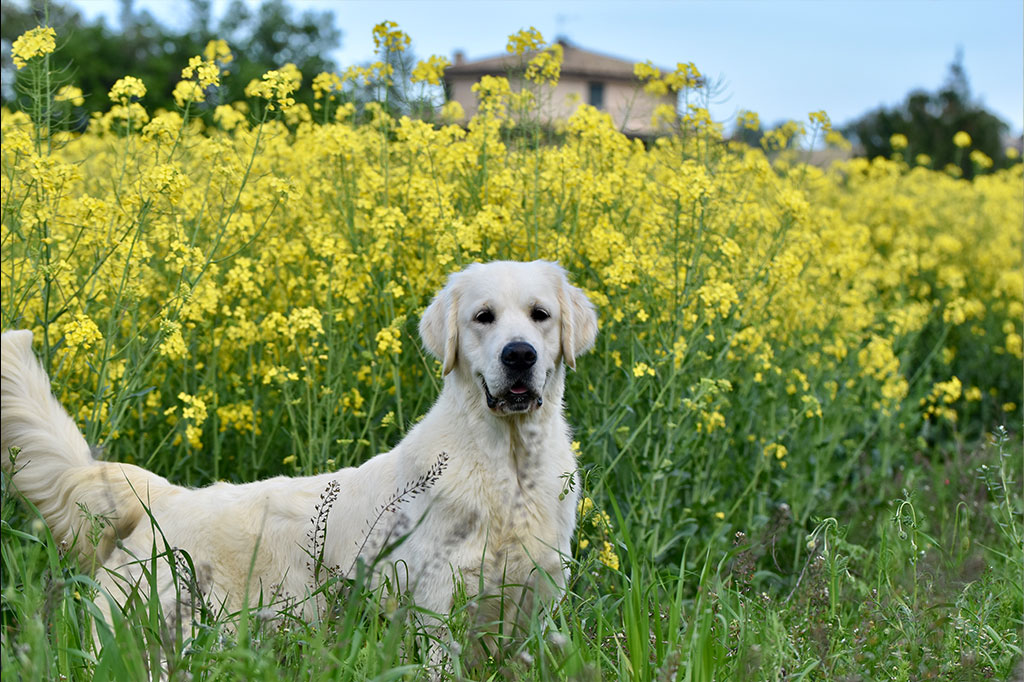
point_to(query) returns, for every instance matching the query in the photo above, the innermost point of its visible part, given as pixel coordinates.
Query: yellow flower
(276, 86)
(962, 139)
(193, 434)
(327, 86)
(36, 42)
(948, 391)
(641, 369)
(494, 93)
(898, 141)
(237, 416)
(205, 73)
(646, 71)
(679, 349)
(749, 120)
(608, 557)
(1015, 345)
(980, 159)
(585, 506)
(69, 93)
(686, 75)
(525, 40)
(452, 111)
(228, 117)
(389, 340)
(127, 88)
(820, 120)
(430, 71)
(720, 516)
(218, 51)
(545, 66)
(196, 410)
(173, 345)
(187, 91)
(386, 35)
(81, 332)
(834, 138)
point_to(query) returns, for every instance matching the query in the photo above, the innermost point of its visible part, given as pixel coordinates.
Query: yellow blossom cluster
(524, 41)
(276, 86)
(70, 93)
(430, 71)
(127, 89)
(217, 51)
(36, 42)
(195, 413)
(387, 36)
(81, 332)
(778, 452)
(596, 528)
(546, 65)
(279, 262)
(389, 341)
(206, 73)
(685, 76)
(943, 394)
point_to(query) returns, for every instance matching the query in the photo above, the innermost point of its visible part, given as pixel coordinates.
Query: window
(595, 94)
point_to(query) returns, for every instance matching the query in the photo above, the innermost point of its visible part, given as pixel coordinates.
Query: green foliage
(925, 585)
(929, 122)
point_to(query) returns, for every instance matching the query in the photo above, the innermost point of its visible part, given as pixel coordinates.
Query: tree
(98, 55)
(929, 122)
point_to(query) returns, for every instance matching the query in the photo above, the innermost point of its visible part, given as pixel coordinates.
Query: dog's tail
(86, 503)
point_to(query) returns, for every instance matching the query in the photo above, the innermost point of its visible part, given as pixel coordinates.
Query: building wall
(625, 101)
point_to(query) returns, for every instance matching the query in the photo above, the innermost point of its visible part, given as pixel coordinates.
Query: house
(587, 77)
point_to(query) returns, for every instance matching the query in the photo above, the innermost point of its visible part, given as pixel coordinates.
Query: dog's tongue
(518, 389)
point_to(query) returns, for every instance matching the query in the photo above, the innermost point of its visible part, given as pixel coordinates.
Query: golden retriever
(483, 489)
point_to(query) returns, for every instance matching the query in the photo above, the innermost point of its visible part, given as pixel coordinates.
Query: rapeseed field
(799, 432)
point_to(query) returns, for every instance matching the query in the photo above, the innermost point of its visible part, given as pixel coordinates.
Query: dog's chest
(519, 503)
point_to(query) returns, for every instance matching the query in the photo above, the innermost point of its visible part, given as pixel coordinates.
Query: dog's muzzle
(518, 358)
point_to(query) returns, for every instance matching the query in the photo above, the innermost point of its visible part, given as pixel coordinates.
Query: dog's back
(54, 468)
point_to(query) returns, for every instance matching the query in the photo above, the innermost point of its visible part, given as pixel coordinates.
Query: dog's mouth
(518, 397)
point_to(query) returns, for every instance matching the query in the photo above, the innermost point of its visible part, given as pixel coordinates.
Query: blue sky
(782, 59)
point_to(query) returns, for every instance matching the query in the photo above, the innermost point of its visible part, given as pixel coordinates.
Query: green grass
(915, 578)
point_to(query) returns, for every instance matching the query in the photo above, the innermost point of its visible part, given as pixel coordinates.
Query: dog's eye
(539, 315)
(484, 317)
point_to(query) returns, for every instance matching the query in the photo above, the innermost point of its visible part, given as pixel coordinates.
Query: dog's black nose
(518, 355)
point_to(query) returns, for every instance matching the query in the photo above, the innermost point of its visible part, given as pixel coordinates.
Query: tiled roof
(575, 62)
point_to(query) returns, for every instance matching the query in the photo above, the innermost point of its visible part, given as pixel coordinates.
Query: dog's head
(506, 327)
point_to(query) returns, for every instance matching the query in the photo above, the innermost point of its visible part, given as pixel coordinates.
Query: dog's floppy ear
(579, 321)
(439, 326)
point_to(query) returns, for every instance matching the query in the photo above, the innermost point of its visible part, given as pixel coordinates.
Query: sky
(782, 59)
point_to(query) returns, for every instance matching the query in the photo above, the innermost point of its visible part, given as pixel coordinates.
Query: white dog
(483, 489)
